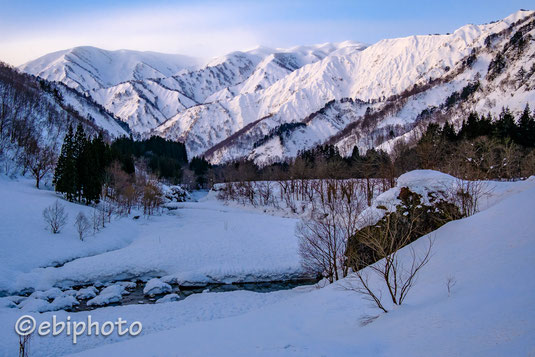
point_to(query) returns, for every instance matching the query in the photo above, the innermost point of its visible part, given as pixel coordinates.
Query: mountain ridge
(223, 108)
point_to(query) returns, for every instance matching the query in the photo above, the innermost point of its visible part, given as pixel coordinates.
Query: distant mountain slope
(36, 112)
(86, 68)
(268, 104)
(396, 79)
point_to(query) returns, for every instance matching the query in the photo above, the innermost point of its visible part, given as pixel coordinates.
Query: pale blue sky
(30, 29)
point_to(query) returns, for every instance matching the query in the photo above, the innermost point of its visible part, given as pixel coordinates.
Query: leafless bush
(55, 217)
(82, 225)
(321, 245)
(396, 273)
(466, 195)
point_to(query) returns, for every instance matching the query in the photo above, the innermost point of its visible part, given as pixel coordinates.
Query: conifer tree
(505, 127)
(65, 173)
(526, 129)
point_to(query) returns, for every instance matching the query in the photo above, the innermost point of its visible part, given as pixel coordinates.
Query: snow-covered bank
(155, 318)
(490, 255)
(489, 310)
(199, 242)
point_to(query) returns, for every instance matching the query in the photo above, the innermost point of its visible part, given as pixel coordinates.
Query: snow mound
(108, 295)
(87, 293)
(156, 286)
(126, 284)
(63, 302)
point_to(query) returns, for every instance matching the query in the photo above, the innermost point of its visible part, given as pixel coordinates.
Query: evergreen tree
(505, 127)
(448, 132)
(526, 129)
(470, 129)
(66, 171)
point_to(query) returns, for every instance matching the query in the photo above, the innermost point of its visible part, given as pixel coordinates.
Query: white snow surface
(490, 255)
(199, 242)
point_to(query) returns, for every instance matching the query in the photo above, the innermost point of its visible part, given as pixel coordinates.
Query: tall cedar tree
(66, 172)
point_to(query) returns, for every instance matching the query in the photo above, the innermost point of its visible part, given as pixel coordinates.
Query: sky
(29, 29)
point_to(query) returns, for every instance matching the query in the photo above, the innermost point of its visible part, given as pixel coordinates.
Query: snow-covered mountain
(42, 110)
(267, 104)
(86, 68)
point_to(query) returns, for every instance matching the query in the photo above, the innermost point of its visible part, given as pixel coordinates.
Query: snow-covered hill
(85, 68)
(345, 94)
(488, 311)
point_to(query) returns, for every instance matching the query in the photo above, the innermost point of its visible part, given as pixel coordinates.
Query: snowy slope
(85, 68)
(48, 108)
(199, 242)
(490, 255)
(489, 311)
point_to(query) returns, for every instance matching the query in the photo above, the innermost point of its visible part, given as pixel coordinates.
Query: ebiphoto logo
(26, 325)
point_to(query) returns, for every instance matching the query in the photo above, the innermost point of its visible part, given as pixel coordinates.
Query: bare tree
(396, 271)
(95, 220)
(55, 217)
(82, 225)
(39, 161)
(324, 234)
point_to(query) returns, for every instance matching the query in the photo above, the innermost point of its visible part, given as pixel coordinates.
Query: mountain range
(268, 104)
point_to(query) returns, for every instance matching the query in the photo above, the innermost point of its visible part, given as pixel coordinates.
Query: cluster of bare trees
(466, 195)
(299, 195)
(323, 233)
(122, 192)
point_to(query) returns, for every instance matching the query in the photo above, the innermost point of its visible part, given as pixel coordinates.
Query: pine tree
(470, 128)
(505, 127)
(65, 174)
(526, 129)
